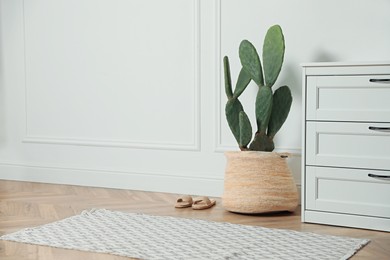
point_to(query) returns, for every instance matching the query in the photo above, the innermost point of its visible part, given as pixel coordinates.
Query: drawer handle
(380, 81)
(383, 177)
(377, 128)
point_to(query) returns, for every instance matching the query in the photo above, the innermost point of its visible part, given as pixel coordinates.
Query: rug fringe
(352, 252)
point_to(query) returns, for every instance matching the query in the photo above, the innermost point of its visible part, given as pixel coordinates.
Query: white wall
(129, 93)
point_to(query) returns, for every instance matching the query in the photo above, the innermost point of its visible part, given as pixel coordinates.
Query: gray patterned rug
(155, 237)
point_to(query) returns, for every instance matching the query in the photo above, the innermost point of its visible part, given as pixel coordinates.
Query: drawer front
(348, 145)
(348, 191)
(348, 98)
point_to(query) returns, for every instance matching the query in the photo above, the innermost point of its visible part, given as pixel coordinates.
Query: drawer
(348, 145)
(348, 98)
(350, 191)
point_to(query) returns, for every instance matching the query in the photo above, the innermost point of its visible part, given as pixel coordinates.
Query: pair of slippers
(186, 201)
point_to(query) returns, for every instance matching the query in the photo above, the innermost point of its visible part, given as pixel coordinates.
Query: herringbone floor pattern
(26, 204)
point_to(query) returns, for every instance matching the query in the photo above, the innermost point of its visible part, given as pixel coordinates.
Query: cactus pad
(273, 54)
(250, 61)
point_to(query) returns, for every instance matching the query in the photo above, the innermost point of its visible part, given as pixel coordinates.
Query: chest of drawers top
(347, 92)
(346, 68)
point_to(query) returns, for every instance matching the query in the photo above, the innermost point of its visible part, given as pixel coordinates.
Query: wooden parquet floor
(26, 204)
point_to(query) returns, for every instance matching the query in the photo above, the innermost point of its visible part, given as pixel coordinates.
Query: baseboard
(119, 180)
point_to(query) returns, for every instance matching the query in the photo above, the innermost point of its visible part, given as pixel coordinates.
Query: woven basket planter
(258, 182)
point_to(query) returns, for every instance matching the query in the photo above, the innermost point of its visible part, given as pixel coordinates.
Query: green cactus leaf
(282, 101)
(273, 54)
(228, 79)
(263, 108)
(262, 142)
(250, 61)
(242, 82)
(232, 111)
(245, 130)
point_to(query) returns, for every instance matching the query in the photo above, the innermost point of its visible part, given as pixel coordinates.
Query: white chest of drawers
(346, 144)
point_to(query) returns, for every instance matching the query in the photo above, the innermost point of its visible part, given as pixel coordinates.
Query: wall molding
(296, 151)
(110, 143)
(195, 145)
(218, 82)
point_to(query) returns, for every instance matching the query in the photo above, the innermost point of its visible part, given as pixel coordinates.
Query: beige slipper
(203, 203)
(184, 201)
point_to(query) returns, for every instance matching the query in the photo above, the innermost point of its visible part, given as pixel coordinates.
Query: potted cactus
(258, 180)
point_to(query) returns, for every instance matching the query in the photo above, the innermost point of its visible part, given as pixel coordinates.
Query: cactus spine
(272, 108)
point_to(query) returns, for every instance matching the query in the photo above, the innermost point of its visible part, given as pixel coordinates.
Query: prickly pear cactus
(272, 107)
